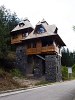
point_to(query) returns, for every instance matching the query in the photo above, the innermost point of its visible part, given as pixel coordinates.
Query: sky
(58, 12)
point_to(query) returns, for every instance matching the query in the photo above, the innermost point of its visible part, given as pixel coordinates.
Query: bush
(16, 72)
(73, 70)
(64, 73)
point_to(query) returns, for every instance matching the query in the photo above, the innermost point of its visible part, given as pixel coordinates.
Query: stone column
(21, 59)
(52, 63)
(59, 74)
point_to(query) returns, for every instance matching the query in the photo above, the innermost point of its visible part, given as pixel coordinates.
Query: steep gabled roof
(50, 31)
(23, 25)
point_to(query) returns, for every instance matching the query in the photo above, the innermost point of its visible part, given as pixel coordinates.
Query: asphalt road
(57, 91)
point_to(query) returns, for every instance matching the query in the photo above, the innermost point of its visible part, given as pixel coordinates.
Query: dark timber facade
(38, 51)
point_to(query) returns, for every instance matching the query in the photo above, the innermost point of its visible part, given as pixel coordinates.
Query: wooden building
(38, 51)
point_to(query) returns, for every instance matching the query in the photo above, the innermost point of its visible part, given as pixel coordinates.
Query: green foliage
(73, 70)
(7, 22)
(64, 73)
(67, 58)
(1, 72)
(16, 72)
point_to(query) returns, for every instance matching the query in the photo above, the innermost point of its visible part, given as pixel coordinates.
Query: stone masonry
(21, 59)
(53, 69)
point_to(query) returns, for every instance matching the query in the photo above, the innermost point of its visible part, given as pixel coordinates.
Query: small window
(40, 29)
(47, 42)
(21, 24)
(24, 34)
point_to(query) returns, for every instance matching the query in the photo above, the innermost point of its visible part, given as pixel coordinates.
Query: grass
(16, 72)
(42, 83)
(7, 82)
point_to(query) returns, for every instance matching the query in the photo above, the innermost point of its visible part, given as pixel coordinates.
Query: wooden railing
(42, 50)
(31, 51)
(13, 41)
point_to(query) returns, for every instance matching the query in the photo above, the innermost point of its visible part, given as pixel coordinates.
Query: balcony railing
(13, 41)
(42, 50)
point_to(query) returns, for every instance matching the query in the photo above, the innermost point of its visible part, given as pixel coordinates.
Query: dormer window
(24, 34)
(21, 24)
(40, 29)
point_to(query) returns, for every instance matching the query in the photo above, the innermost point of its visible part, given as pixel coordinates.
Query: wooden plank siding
(38, 47)
(42, 50)
(17, 39)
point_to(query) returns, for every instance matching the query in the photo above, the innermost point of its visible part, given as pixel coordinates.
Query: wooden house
(22, 30)
(38, 50)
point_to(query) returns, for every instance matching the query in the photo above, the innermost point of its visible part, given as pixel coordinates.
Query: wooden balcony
(43, 50)
(14, 41)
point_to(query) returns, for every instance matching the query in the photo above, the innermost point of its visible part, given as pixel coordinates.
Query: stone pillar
(59, 74)
(21, 59)
(53, 68)
(37, 67)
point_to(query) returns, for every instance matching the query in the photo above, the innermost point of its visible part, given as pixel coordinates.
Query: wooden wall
(16, 39)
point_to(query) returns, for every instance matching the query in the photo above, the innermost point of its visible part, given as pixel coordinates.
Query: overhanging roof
(50, 32)
(23, 25)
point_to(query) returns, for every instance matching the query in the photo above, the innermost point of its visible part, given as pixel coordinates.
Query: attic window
(40, 29)
(21, 24)
(24, 34)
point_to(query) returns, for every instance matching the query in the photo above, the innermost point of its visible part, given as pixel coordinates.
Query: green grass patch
(16, 72)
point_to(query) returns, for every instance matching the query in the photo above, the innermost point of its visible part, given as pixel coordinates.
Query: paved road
(57, 91)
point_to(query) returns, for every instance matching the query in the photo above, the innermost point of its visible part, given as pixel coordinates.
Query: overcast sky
(58, 12)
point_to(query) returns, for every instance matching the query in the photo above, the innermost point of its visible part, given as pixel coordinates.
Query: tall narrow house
(38, 51)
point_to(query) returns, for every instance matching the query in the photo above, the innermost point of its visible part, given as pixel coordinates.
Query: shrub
(16, 72)
(64, 73)
(73, 70)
